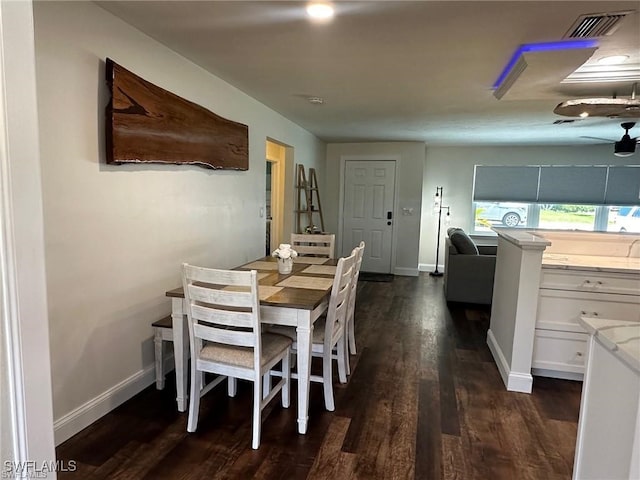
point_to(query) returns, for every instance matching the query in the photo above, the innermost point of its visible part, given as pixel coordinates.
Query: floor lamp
(438, 207)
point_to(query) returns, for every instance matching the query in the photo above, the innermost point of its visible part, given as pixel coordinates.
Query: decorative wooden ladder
(311, 194)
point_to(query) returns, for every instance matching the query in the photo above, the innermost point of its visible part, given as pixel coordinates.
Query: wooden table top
(289, 297)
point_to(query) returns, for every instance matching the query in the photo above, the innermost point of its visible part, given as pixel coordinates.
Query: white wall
(452, 168)
(116, 236)
(409, 168)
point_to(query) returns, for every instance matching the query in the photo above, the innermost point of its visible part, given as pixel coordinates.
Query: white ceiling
(395, 70)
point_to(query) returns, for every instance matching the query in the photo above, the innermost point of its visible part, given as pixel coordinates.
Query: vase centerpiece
(285, 255)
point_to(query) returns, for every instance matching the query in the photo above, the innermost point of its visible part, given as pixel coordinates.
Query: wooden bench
(162, 332)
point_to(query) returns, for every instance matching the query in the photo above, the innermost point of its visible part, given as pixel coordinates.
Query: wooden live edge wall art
(147, 124)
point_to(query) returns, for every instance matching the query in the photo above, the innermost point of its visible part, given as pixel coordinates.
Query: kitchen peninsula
(608, 444)
(545, 281)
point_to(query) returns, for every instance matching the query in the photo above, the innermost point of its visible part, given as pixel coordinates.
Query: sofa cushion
(463, 242)
(450, 230)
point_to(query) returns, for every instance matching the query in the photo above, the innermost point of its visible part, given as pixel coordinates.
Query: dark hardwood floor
(425, 401)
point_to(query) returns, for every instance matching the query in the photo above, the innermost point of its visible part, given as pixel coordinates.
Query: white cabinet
(565, 295)
(591, 282)
(544, 281)
(558, 351)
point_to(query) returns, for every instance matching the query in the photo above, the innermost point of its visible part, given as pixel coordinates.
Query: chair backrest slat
(230, 298)
(222, 317)
(311, 250)
(214, 276)
(221, 335)
(319, 244)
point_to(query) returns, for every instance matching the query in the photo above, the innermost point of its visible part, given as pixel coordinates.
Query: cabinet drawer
(594, 282)
(560, 309)
(559, 351)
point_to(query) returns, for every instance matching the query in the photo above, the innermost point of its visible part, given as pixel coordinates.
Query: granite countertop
(531, 239)
(621, 337)
(598, 263)
(525, 239)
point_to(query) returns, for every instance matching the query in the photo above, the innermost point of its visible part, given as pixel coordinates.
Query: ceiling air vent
(594, 25)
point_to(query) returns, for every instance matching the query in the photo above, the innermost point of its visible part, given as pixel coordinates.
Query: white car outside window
(510, 215)
(628, 220)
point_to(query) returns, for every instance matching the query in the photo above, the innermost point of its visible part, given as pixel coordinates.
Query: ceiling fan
(601, 107)
(626, 146)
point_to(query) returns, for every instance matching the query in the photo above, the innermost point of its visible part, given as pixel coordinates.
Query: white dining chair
(317, 244)
(223, 309)
(351, 329)
(329, 333)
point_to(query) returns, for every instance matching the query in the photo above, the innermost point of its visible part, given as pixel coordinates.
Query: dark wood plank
(455, 464)
(428, 461)
(330, 461)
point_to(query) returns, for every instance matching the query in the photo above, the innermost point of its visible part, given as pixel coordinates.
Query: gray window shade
(623, 186)
(515, 184)
(584, 185)
(561, 184)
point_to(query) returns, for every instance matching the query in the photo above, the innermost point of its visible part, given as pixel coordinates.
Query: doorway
(368, 211)
(274, 197)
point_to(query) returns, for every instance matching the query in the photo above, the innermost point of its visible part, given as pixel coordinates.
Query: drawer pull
(589, 284)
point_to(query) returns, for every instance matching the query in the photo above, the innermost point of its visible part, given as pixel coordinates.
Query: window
(567, 217)
(556, 216)
(557, 197)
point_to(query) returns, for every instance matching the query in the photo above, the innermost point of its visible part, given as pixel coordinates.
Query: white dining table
(301, 299)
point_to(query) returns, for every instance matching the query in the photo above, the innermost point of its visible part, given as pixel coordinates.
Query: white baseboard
(541, 372)
(406, 272)
(430, 267)
(78, 419)
(498, 356)
(514, 381)
(520, 382)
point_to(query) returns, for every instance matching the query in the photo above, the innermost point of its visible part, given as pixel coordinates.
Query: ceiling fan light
(613, 59)
(625, 147)
(623, 154)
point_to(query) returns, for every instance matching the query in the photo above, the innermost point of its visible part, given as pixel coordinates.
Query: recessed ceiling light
(316, 100)
(584, 114)
(320, 10)
(613, 59)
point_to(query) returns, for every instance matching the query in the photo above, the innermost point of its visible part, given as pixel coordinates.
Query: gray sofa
(468, 276)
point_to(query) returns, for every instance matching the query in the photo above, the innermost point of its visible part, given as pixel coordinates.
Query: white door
(368, 214)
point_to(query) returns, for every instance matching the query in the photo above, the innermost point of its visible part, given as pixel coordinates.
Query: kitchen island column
(515, 304)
